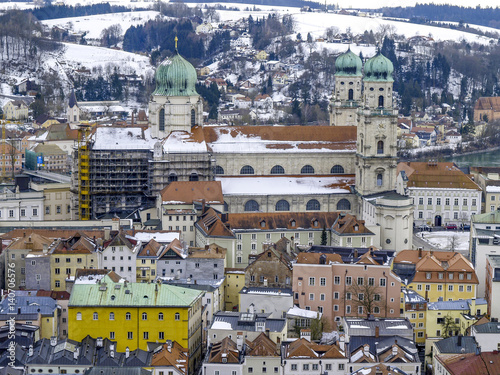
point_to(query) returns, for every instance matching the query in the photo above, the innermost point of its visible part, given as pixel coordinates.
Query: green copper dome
(175, 77)
(379, 68)
(348, 64)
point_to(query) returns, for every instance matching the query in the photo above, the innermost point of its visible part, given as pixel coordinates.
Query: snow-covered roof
(294, 185)
(179, 141)
(303, 313)
(110, 138)
(493, 189)
(160, 237)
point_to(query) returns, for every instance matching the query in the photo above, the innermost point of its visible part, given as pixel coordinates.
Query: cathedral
(349, 166)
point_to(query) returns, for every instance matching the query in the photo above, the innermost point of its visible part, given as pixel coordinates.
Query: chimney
(342, 342)
(419, 252)
(169, 345)
(107, 233)
(355, 253)
(377, 331)
(98, 342)
(53, 340)
(127, 352)
(76, 353)
(30, 351)
(239, 341)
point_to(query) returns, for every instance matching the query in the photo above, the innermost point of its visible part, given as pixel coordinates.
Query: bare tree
(453, 243)
(364, 293)
(111, 36)
(331, 32)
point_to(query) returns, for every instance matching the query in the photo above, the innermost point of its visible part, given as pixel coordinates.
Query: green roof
(379, 68)
(176, 77)
(348, 64)
(109, 293)
(487, 218)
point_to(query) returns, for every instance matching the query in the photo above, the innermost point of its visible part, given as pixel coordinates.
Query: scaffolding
(83, 173)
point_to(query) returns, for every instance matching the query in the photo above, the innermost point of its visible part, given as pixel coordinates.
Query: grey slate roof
(455, 305)
(246, 321)
(117, 371)
(28, 306)
(491, 327)
(264, 290)
(379, 345)
(387, 327)
(450, 345)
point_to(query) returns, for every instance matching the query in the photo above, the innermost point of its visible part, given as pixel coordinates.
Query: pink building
(323, 282)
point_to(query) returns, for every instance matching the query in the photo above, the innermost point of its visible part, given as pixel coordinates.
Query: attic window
(269, 254)
(293, 223)
(356, 227)
(263, 223)
(315, 223)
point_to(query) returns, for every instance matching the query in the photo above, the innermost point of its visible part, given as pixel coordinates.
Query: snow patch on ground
(442, 240)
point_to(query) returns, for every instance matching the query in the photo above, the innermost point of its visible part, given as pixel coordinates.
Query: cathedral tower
(376, 156)
(175, 104)
(347, 94)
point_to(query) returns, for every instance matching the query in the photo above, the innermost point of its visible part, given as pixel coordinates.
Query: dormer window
(428, 275)
(356, 228)
(262, 223)
(292, 223)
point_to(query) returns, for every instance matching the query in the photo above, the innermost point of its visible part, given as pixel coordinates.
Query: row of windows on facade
(276, 279)
(463, 215)
(447, 201)
(451, 288)
(22, 212)
(58, 210)
(348, 281)
(128, 316)
(161, 119)
(284, 205)
(293, 367)
(278, 169)
(348, 310)
(451, 275)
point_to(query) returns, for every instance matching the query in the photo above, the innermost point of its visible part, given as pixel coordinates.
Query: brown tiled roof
(61, 295)
(464, 364)
(212, 225)
(52, 233)
(31, 241)
(175, 246)
(348, 224)
(224, 349)
(313, 258)
(300, 349)
(190, 191)
(262, 346)
(150, 249)
(487, 103)
(210, 251)
(120, 239)
(281, 220)
(175, 356)
(308, 137)
(444, 175)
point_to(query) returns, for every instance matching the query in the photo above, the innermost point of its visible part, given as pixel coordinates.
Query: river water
(483, 159)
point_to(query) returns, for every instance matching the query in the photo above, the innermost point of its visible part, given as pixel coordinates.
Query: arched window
(313, 205)
(282, 205)
(193, 176)
(219, 169)
(193, 117)
(337, 169)
(380, 147)
(78, 316)
(160, 316)
(177, 316)
(172, 177)
(278, 169)
(381, 101)
(144, 316)
(111, 316)
(379, 179)
(251, 206)
(128, 316)
(343, 205)
(247, 170)
(307, 169)
(161, 119)
(95, 316)
(351, 94)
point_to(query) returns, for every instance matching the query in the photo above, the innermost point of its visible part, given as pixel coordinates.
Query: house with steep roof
(487, 109)
(441, 192)
(206, 262)
(465, 346)
(348, 231)
(171, 359)
(16, 110)
(437, 275)
(415, 309)
(354, 286)
(146, 260)
(302, 356)
(119, 254)
(172, 261)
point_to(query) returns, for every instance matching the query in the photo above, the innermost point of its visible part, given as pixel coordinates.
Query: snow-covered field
(443, 240)
(93, 25)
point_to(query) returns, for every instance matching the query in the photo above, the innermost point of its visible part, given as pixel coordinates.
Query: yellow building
(261, 55)
(67, 256)
(133, 314)
(450, 318)
(146, 261)
(414, 307)
(437, 276)
(235, 281)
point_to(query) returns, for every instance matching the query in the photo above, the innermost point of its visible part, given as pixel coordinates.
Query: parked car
(466, 227)
(451, 227)
(424, 227)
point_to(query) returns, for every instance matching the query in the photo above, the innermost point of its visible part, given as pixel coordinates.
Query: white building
(487, 336)
(274, 301)
(21, 206)
(442, 193)
(119, 254)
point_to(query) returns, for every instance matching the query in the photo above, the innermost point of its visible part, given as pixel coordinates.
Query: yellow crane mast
(83, 173)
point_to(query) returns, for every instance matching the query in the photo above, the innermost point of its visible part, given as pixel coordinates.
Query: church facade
(349, 165)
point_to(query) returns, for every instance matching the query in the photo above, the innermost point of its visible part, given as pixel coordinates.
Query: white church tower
(73, 111)
(175, 104)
